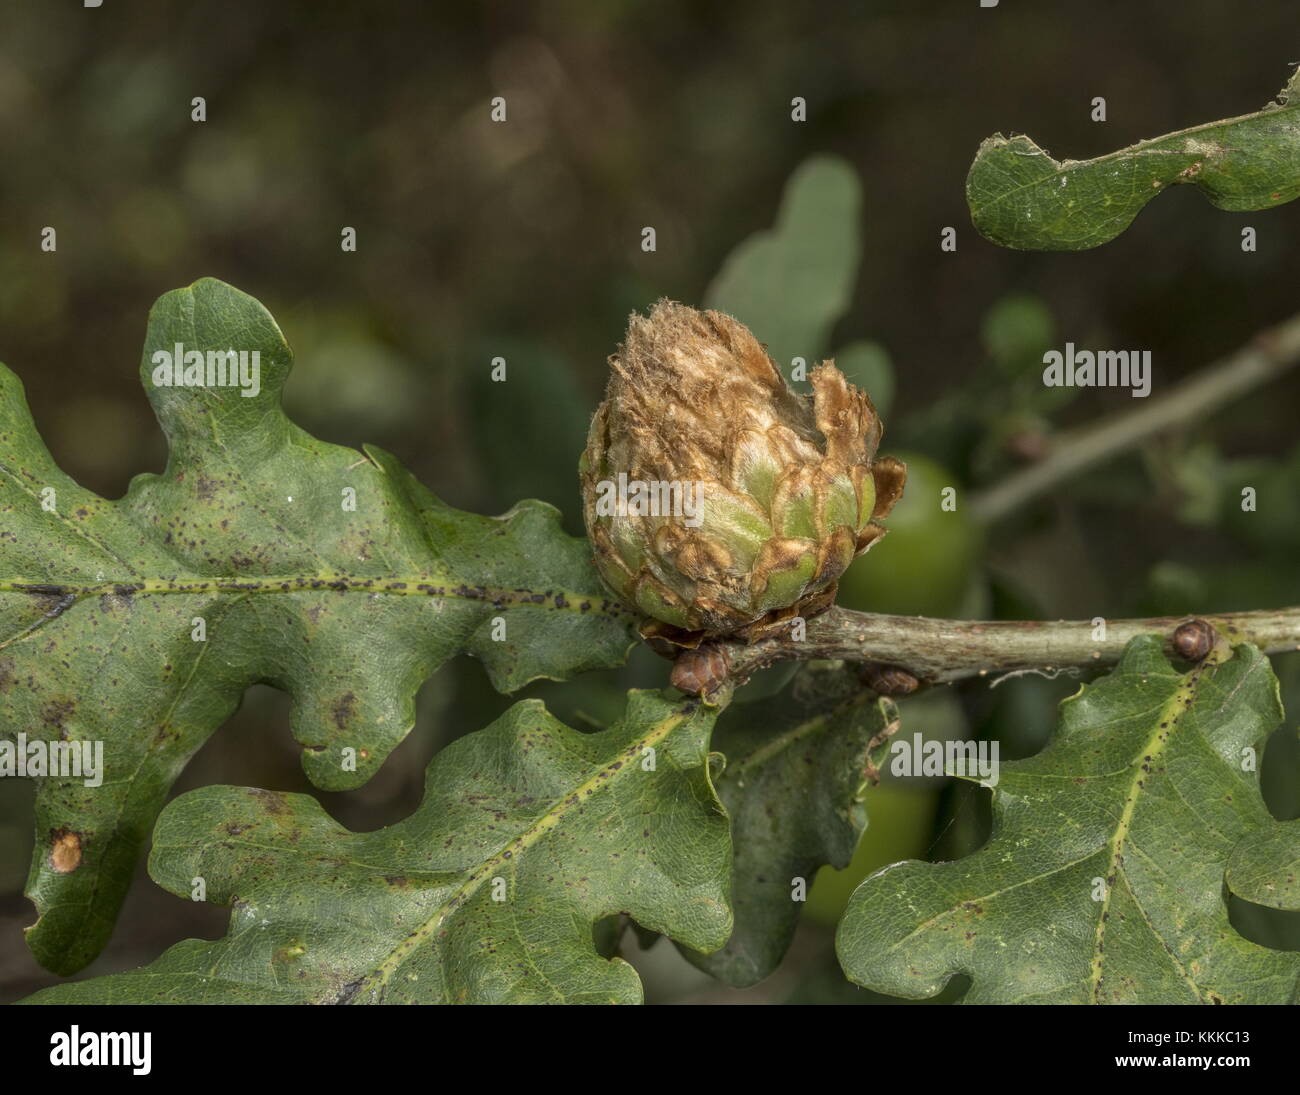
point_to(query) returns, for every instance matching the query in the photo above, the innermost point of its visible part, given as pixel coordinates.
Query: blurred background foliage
(522, 240)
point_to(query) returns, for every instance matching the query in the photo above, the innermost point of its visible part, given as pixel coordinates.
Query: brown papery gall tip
(1194, 640)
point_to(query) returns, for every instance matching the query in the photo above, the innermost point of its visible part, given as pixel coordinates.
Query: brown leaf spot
(65, 850)
(271, 802)
(343, 710)
(55, 713)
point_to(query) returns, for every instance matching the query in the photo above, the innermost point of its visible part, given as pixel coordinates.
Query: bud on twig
(888, 680)
(702, 671)
(1194, 639)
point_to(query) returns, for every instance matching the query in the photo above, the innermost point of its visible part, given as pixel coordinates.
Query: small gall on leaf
(65, 850)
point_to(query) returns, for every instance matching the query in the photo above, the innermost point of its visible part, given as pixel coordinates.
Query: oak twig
(939, 651)
(1266, 356)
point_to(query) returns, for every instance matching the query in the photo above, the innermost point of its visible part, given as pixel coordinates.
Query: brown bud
(701, 671)
(888, 680)
(1194, 639)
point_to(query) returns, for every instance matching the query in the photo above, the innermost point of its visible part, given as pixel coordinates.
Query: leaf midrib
(373, 983)
(1167, 724)
(1145, 147)
(423, 585)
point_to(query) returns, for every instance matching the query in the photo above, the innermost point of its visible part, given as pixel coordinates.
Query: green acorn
(719, 501)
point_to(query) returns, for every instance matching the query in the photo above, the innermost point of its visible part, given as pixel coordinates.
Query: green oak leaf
(259, 554)
(794, 281)
(793, 785)
(528, 835)
(1265, 866)
(1103, 878)
(1020, 197)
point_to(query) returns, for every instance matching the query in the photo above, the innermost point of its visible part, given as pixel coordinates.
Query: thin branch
(937, 651)
(1268, 355)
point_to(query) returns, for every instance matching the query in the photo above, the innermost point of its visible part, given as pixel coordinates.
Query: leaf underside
(1022, 198)
(793, 786)
(1103, 879)
(248, 530)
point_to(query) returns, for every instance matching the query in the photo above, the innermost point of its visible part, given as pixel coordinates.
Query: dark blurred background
(523, 240)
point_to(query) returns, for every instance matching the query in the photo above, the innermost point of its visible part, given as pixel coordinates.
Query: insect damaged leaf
(1020, 197)
(259, 554)
(1103, 879)
(528, 835)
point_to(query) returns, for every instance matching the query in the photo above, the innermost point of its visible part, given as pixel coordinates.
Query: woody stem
(1266, 356)
(937, 651)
